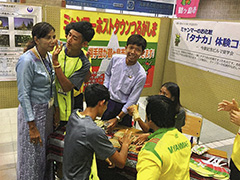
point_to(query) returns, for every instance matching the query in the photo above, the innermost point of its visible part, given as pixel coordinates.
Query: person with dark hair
(234, 112)
(35, 81)
(167, 154)
(78, 94)
(71, 66)
(125, 79)
(172, 91)
(84, 138)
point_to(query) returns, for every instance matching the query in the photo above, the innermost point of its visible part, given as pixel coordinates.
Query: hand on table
(112, 123)
(228, 106)
(141, 138)
(235, 117)
(127, 138)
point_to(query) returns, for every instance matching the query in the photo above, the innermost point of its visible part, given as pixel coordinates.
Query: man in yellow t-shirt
(234, 111)
(71, 66)
(167, 154)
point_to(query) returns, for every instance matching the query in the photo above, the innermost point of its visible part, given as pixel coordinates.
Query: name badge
(50, 103)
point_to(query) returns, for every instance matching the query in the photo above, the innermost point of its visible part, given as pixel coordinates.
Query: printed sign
(208, 45)
(16, 22)
(187, 8)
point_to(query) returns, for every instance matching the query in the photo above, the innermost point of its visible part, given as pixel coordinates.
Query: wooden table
(56, 145)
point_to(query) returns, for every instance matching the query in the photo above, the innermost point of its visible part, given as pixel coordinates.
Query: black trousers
(235, 173)
(105, 173)
(78, 102)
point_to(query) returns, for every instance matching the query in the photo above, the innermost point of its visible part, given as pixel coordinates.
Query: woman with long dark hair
(35, 80)
(172, 91)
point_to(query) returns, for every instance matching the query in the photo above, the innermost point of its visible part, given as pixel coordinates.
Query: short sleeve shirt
(83, 138)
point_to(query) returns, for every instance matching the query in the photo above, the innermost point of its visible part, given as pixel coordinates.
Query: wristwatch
(118, 119)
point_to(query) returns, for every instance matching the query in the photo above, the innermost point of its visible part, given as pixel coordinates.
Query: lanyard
(64, 67)
(50, 65)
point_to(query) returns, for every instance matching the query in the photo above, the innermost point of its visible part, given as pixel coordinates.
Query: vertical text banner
(187, 8)
(207, 45)
(111, 34)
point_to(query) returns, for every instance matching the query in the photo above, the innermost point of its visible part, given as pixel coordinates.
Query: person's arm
(135, 93)
(89, 73)
(180, 119)
(78, 77)
(63, 80)
(228, 106)
(87, 76)
(119, 158)
(25, 75)
(114, 121)
(108, 74)
(133, 111)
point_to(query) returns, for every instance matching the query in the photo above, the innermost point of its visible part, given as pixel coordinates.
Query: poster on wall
(187, 8)
(16, 22)
(207, 45)
(111, 34)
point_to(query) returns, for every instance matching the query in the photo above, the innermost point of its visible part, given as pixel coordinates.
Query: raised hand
(228, 106)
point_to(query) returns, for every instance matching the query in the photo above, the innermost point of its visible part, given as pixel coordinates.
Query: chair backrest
(193, 124)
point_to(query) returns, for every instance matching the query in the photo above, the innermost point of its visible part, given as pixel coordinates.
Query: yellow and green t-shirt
(236, 151)
(165, 156)
(75, 69)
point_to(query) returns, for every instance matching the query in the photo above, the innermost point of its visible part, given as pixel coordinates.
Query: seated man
(167, 154)
(84, 138)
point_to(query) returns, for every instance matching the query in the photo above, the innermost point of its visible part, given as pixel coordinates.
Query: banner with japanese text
(16, 22)
(187, 8)
(111, 34)
(207, 45)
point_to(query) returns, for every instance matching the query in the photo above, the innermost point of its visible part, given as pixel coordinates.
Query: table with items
(210, 165)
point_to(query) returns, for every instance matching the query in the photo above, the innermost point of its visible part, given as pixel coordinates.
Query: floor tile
(5, 137)
(211, 132)
(6, 148)
(227, 142)
(13, 119)
(227, 149)
(7, 161)
(13, 127)
(8, 174)
(6, 128)
(14, 145)
(218, 144)
(14, 136)
(211, 145)
(5, 121)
